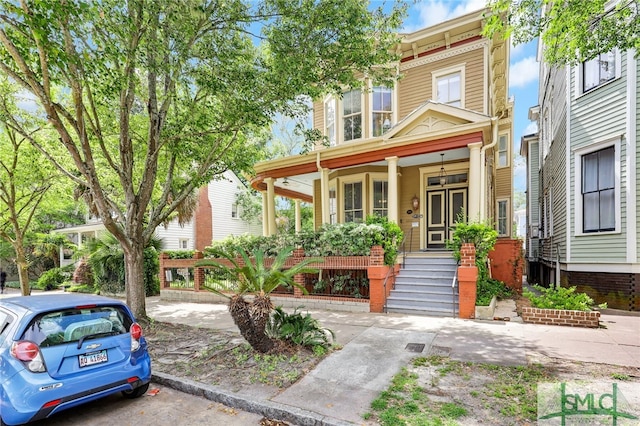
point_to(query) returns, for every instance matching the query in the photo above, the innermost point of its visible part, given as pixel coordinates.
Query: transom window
(352, 115)
(380, 197)
(382, 113)
(449, 89)
(598, 191)
(598, 71)
(353, 211)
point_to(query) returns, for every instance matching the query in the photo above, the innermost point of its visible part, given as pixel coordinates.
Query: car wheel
(137, 392)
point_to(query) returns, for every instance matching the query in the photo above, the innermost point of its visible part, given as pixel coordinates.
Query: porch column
(271, 206)
(265, 215)
(392, 193)
(324, 190)
(298, 216)
(475, 183)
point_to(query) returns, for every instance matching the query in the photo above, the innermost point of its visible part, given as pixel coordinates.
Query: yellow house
(436, 145)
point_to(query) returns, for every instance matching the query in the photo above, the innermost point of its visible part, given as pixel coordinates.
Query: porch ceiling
(300, 185)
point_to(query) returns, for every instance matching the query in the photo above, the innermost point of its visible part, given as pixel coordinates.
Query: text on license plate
(93, 358)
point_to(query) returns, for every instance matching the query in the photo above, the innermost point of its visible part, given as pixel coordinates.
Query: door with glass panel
(444, 208)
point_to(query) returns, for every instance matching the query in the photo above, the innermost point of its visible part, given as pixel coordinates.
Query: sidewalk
(376, 346)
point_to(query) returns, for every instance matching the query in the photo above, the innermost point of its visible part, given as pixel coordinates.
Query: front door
(444, 208)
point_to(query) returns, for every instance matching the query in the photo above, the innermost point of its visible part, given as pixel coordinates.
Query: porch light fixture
(443, 174)
(285, 181)
(415, 202)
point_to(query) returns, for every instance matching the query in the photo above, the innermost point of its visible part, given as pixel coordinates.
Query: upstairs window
(330, 121)
(449, 89)
(382, 113)
(234, 211)
(598, 71)
(352, 115)
(503, 151)
(598, 191)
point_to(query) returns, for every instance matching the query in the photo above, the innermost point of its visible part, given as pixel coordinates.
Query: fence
(339, 277)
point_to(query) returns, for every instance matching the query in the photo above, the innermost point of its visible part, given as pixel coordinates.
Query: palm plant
(252, 277)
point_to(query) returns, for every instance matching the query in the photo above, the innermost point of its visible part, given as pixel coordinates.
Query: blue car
(61, 350)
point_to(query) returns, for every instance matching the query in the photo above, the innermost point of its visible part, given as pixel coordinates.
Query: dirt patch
(225, 359)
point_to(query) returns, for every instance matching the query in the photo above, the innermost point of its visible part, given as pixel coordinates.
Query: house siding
(416, 86)
(587, 128)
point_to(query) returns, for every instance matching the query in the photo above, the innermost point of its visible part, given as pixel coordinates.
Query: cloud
(523, 72)
(431, 12)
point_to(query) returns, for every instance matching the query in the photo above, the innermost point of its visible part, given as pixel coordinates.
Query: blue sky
(523, 73)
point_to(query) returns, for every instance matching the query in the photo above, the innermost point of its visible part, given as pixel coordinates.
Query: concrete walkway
(377, 346)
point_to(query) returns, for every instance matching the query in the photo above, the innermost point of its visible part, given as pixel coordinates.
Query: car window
(71, 325)
(5, 321)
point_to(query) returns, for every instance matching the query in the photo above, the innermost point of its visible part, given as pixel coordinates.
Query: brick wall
(589, 319)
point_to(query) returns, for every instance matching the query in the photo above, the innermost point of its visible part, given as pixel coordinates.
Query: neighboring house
(583, 179)
(216, 217)
(437, 144)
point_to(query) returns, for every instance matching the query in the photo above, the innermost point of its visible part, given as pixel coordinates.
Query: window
(333, 206)
(503, 151)
(598, 71)
(353, 211)
(183, 243)
(382, 113)
(380, 197)
(598, 191)
(352, 115)
(234, 211)
(449, 89)
(330, 121)
(503, 217)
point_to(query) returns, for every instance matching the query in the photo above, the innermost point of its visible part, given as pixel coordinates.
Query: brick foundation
(590, 319)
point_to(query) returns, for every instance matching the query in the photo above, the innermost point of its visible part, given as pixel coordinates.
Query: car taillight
(136, 333)
(30, 355)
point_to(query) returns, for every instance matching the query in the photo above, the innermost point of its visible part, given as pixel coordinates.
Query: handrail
(384, 287)
(404, 250)
(453, 289)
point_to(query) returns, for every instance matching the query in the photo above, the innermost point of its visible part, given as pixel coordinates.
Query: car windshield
(70, 325)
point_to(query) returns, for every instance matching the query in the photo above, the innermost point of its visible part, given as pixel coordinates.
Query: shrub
(482, 236)
(489, 288)
(298, 329)
(559, 298)
(53, 278)
(346, 239)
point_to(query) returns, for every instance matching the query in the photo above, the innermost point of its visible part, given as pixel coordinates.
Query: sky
(523, 73)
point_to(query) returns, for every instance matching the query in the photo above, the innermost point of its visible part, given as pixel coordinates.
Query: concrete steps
(423, 286)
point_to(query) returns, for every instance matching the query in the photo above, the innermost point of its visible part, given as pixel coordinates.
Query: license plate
(93, 358)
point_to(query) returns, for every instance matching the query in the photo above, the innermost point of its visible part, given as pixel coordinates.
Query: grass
(414, 400)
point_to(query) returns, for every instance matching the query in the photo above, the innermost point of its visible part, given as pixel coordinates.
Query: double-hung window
(353, 210)
(352, 115)
(598, 191)
(382, 113)
(449, 89)
(503, 217)
(599, 70)
(503, 151)
(330, 120)
(380, 197)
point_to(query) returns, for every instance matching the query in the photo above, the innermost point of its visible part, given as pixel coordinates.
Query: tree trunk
(251, 321)
(23, 269)
(134, 280)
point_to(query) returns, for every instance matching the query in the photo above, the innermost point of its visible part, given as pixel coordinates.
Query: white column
(324, 195)
(271, 206)
(265, 215)
(298, 216)
(392, 172)
(475, 182)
